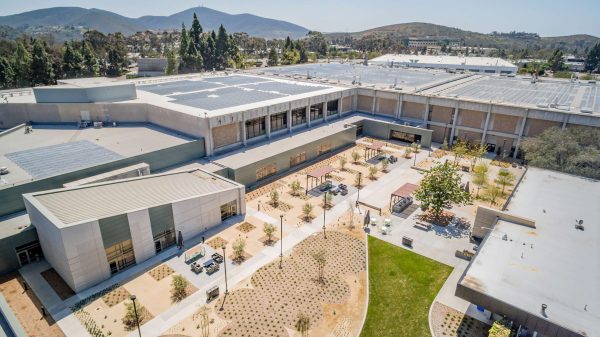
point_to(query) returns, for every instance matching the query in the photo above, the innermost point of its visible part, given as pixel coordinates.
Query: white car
(4, 170)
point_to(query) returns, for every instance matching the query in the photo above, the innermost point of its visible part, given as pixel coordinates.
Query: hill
(496, 40)
(60, 19)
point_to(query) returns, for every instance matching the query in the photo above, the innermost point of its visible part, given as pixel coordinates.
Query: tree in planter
(343, 162)
(491, 193)
(475, 153)
(269, 229)
(238, 246)
(295, 187)
(358, 181)
(178, 288)
(320, 260)
(505, 178)
(480, 176)
(407, 153)
(351, 224)
(328, 200)
(416, 147)
(385, 164)
(274, 195)
(302, 324)
(307, 210)
(129, 318)
(355, 157)
(440, 188)
(204, 322)
(460, 150)
(373, 172)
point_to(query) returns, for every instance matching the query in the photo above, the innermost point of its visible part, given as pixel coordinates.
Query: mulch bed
(161, 272)
(246, 227)
(217, 243)
(116, 296)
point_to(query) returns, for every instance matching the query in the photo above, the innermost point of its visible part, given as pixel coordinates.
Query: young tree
(416, 147)
(204, 321)
(358, 180)
(269, 229)
(505, 178)
(178, 288)
(307, 210)
(328, 200)
(274, 196)
(172, 67)
(475, 153)
(385, 163)
(407, 152)
(295, 187)
(440, 188)
(491, 193)
(355, 157)
(460, 150)
(129, 320)
(320, 260)
(302, 324)
(273, 60)
(343, 162)
(238, 246)
(373, 172)
(41, 65)
(351, 220)
(480, 176)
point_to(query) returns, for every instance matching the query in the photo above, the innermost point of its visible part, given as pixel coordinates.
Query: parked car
(218, 258)
(4, 170)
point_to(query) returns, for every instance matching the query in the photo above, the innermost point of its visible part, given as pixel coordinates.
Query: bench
(407, 241)
(423, 226)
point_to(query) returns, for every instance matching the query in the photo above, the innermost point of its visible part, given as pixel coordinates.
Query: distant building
(489, 65)
(420, 42)
(150, 66)
(574, 63)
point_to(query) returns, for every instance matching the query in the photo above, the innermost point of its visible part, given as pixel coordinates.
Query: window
(279, 121)
(323, 148)
(255, 127)
(298, 116)
(297, 159)
(228, 210)
(266, 171)
(120, 256)
(332, 107)
(316, 111)
(403, 136)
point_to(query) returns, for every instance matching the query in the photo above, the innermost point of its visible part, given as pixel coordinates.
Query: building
(251, 127)
(87, 233)
(574, 63)
(420, 42)
(488, 65)
(538, 264)
(151, 66)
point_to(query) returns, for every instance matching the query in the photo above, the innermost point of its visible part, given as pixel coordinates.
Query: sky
(547, 18)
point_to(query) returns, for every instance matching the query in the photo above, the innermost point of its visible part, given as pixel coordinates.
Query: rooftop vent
(579, 225)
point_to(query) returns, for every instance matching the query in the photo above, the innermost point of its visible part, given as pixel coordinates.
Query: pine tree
(184, 40)
(555, 62)
(196, 32)
(72, 62)
(41, 65)
(7, 75)
(21, 65)
(288, 44)
(592, 60)
(193, 59)
(90, 61)
(172, 63)
(273, 60)
(210, 52)
(117, 55)
(221, 49)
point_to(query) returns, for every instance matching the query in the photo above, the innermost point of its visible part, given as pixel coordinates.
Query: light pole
(280, 240)
(225, 266)
(324, 211)
(358, 187)
(137, 320)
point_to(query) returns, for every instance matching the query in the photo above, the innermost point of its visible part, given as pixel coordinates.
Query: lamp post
(280, 240)
(358, 187)
(137, 320)
(225, 266)
(324, 211)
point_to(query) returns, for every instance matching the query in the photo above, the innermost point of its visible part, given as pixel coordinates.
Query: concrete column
(400, 106)
(374, 103)
(325, 111)
(308, 114)
(521, 130)
(268, 123)
(340, 105)
(454, 121)
(289, 118)
(244, 136)
(209, 145)
(426, 112)
(565, 121)
(354, 101)
(485, 126)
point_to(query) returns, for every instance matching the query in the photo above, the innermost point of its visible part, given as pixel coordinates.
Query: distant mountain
(109, 22)
(421, 29)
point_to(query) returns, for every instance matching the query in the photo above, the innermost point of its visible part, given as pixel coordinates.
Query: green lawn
(402, 286)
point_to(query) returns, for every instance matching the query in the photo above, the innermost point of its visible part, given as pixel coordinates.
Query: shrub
(372, 172)
(295, 187)
(307, 210)
(269, 229)
(274, 195)
(343, 162)
(238, 248)
(178, 288)
(355, 157)
(129, 318)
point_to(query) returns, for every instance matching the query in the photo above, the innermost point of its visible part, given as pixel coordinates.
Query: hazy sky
(548, 18)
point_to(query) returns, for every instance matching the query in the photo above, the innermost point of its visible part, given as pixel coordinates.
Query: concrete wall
(103, 93)
(441, 114)
(387, 107)
(225, 135)
(471, 118)
(141, 234)
(413, 110)
(379, 129)
(364, 103)
(247, 174)
(534, 127)
(485, 218)
(11, 200)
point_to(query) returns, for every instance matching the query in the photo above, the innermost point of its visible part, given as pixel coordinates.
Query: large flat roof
(220, 93)
(554, 263)
(444, 60)
(409, 80)
(103, 200)
(54, 149)
(13, 224)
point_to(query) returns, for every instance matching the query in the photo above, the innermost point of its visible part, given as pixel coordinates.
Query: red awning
(405, 190)
(318, 173)
(376, 146)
